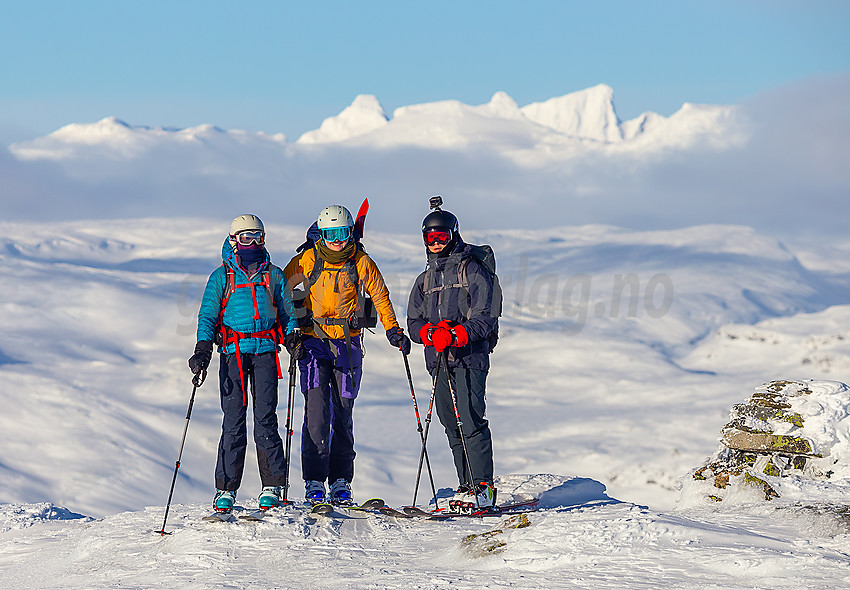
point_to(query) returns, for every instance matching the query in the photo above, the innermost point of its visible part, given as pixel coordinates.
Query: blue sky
(280, 66)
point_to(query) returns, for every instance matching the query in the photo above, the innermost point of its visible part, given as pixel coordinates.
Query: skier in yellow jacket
(336, 274)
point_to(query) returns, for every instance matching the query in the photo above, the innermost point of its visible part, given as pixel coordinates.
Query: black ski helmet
(439, 219)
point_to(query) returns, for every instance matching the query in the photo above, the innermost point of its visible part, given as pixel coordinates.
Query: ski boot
(460, 498)
(341, 493)
(224, 500)
(468, 500)
(270, 497)
(486, 499)
(315, 492)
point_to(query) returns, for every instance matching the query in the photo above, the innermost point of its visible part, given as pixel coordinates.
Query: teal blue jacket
(251, 308)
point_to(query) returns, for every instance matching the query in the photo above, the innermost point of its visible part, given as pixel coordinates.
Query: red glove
(441, 338)
(425, 334)
(461, 337)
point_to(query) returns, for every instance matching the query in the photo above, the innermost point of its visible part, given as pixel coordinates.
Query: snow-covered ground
(621, 355)
(581, 539)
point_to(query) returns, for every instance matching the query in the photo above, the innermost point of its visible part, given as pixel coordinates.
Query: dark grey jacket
(438, 294)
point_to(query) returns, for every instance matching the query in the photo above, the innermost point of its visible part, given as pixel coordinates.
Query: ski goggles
(336, 234)
(437, 237)
(246, 238)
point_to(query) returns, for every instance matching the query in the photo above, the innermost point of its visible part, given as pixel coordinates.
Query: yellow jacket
(334, 296)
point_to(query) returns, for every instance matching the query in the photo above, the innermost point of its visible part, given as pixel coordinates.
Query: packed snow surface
(621, 354)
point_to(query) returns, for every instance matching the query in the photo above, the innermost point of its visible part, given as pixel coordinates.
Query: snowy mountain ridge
(560, 127)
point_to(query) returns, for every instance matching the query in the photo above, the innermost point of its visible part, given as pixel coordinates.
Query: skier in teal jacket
(247, 310)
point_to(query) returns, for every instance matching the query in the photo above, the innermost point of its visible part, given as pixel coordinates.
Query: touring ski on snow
(218, 517)
(504, 509)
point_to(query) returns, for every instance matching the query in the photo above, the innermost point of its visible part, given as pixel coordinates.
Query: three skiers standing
(248, 311)
(453, 310)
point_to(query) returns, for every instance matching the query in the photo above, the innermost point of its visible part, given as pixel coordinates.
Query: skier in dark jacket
(450, 312)
(247, 309)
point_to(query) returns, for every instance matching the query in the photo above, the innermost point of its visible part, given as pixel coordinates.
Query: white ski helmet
(246, 222)
(335, 216)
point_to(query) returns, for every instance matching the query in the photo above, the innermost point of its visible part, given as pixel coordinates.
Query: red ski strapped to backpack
(228, 334)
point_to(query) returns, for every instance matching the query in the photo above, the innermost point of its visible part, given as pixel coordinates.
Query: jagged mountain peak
(586, 114)
(501, 105)
(364, 114)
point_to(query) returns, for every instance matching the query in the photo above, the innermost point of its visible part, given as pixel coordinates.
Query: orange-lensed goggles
(437, 237)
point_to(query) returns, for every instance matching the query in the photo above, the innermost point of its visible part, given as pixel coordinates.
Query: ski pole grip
(198, 379)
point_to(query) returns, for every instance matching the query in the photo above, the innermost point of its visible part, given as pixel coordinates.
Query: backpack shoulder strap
(229, 287)
(318, 267)
(351, 268)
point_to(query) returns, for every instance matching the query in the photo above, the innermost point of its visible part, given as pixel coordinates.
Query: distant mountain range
(558, 128)
(773, 163)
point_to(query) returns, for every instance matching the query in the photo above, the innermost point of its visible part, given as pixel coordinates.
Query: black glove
(397, 338)
(200, 361)
(294, 343)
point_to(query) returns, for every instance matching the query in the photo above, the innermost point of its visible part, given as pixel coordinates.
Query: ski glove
(459, 334)
(200, 361)
(445, 334)
(425, 334)
(294, 343)
(441, 338)
(399, 339)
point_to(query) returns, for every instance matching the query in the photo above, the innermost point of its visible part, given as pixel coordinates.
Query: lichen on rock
(787, 438)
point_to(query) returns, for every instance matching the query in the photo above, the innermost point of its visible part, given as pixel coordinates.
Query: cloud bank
(776, 163)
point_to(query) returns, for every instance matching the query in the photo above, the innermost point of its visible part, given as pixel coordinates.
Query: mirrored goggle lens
(438, 237)
(246, 238)
(336, 234)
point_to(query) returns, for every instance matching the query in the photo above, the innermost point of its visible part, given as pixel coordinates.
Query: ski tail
(360, 220)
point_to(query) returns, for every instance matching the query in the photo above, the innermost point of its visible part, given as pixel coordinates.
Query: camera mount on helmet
(439, 220)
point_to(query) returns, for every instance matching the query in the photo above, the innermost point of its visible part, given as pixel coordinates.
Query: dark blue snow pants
(469, 385)
(261, 382)
(327, 438)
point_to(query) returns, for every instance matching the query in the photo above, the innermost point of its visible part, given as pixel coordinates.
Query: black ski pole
(460, 432)
(421, 435)
(288, 430)
(427, 428)
(197, 381)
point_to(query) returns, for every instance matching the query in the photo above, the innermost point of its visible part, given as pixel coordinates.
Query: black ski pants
(261, 382)
(327, 438)
(469, 386)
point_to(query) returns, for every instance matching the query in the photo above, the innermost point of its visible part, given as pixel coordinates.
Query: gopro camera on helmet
(436, 201)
